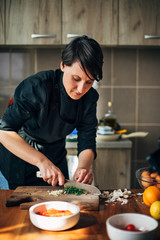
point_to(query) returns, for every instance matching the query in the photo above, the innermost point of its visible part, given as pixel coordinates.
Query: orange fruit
(158, 178)
(155, 210)
(158, 185)
(145, 174)
(146, 182)
(146, 179)
(154, 175)
(150, 195)
(158, 181)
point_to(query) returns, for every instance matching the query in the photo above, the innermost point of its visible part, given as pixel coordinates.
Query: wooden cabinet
(27, 17)
(138, 18)
(2, 23)
(97, 18)
(112, 167)
(110, 22)
(113, 22)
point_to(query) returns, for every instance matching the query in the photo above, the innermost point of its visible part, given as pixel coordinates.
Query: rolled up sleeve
(88, 125)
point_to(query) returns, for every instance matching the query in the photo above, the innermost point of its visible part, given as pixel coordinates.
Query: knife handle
(38, 174)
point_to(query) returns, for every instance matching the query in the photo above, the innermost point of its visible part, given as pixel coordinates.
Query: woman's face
(75, 80)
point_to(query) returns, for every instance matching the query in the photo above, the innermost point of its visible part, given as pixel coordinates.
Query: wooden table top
(15, 223)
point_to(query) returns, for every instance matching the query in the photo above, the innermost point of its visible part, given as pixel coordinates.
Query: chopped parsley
(74, 190)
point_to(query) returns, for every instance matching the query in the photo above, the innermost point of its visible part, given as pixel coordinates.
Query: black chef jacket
(43, 114)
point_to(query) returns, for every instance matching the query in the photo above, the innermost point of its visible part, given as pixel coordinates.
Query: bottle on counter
(110, 118)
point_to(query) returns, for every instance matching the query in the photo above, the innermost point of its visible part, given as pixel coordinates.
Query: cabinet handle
(151, 37)
(76, 35)
(43, 35)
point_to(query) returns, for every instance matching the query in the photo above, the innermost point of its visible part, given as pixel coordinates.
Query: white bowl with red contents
(54, 223)
(131, 226)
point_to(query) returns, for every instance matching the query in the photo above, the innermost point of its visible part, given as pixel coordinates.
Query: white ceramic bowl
(141, 222)
(54, 223)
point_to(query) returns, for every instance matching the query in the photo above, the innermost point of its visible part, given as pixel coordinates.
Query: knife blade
(68, 183)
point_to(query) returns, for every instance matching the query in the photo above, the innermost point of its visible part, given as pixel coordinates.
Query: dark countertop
(107, 144)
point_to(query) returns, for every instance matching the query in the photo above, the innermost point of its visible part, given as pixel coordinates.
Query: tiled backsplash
(131, 80)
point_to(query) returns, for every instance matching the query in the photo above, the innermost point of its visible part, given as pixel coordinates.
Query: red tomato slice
(130, 227)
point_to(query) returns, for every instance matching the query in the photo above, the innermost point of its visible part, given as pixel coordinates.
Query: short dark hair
(88, 52)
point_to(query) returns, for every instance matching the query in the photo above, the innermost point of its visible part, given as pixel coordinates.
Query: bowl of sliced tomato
(131, 226)
(54, 215)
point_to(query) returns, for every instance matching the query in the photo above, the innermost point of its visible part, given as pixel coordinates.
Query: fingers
(61, 180)
(80, 175)
(83, 176)
(49, 181)
(54, 181)
(54, 177)
(88, 178)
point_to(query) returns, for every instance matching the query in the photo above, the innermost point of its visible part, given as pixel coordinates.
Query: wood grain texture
(2, 22)
(136, 19)
(110, 22)
(26, 17)
(112, 168)
(16, 225)
(97, 18)
(28, 196)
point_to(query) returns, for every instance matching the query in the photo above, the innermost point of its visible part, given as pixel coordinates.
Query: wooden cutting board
(27, 196)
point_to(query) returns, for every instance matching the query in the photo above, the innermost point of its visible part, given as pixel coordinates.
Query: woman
(46, 108)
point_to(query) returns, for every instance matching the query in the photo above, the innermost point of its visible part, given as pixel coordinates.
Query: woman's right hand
(51, 174)
(19, 147)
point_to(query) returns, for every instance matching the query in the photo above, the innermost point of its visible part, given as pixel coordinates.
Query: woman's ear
(62, 66)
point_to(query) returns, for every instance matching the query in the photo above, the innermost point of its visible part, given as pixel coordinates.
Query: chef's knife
(68, 183)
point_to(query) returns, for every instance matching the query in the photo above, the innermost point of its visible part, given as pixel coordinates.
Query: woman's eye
(89, 83)
(75, 79)
(78, 80)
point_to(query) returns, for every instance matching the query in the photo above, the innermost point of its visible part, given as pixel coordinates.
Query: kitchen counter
(112, 167)
(15, 223)
(106, 144)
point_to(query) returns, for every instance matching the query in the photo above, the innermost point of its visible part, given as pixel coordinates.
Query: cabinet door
(27, 17)
(97, 18)
(138, 18)
(2, 24)
(112, 168)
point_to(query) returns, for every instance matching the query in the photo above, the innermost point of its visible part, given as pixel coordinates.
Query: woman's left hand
(83, 175)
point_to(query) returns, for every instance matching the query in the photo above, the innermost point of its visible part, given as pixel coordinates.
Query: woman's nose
(81, 87)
